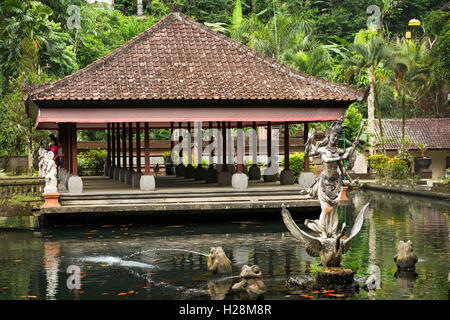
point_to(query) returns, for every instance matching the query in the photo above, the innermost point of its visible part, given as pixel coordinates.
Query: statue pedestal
(334, 277)
(51, 200)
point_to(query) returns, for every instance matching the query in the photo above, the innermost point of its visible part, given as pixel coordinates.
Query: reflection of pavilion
(174, 74)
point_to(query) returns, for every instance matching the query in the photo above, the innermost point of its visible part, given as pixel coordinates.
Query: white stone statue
(41, 159)
(50, 171)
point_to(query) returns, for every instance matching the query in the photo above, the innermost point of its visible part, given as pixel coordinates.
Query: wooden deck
(102, 194)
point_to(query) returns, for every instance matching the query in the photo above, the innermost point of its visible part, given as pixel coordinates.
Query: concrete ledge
(189, 172)
(128, 177)
(224, 178)
(254, 173)
(211, 175)
(239, 181)
(147, 183)
(408, 191)
(200, 173)
(136, 180)
(122, 174)
(180, 170)
(75, 185)
(287, 177)
(116, 173)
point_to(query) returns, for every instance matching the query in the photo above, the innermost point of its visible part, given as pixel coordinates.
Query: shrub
(91, 163)
(378, 162)
(398, 169)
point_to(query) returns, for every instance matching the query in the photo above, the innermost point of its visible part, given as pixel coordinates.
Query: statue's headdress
(336, 126)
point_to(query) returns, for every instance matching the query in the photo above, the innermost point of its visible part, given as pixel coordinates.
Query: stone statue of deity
(329, 184)
(50, 172)
(326, 241)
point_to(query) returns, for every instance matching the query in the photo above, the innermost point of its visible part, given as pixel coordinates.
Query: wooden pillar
(138, 147)
(130, 146)
(218, 145)
(172, 143)
(305, 138)
(113, 144)
(119, 151)
(224, 146)
(286, 146)
(189, 146)
(269, 143)
(108, 138)
(255, 152)
(231, 145)
(124, 145)
(68, 154)
(180, 139)
(240, 155)
(73, 136)
(211, 140)
(147, 149)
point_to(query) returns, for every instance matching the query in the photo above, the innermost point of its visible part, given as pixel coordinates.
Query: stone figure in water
(328, 186)
(329, 249)
(405, 258)
(218, 262)
(373, 282)
(50, 172)
(251, 282)
(218, 289)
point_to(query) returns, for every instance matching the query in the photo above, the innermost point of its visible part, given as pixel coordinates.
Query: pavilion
(176, 73)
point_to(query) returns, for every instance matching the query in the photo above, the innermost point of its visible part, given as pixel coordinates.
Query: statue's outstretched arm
(310, 149)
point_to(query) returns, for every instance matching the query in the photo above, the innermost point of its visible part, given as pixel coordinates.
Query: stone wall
(15, 164)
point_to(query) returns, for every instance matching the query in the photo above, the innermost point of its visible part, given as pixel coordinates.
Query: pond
(132, 261)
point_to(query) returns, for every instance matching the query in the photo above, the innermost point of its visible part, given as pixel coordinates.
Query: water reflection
(164, 262)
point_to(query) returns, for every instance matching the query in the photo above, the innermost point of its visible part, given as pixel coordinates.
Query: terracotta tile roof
(179, 58)
(433, 132)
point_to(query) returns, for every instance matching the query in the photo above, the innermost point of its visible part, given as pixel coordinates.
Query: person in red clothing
(55, 149)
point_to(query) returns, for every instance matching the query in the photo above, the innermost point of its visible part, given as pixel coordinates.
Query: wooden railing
(21, 186)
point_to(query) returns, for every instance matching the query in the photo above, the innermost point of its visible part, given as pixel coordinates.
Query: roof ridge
(106, 57)
(263, 58)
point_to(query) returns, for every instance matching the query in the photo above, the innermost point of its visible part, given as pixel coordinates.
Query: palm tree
(411, 68)
(274, 38)
(317, 61)
(371, 54)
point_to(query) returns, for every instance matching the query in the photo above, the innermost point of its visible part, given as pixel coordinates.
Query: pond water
(132, 261)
